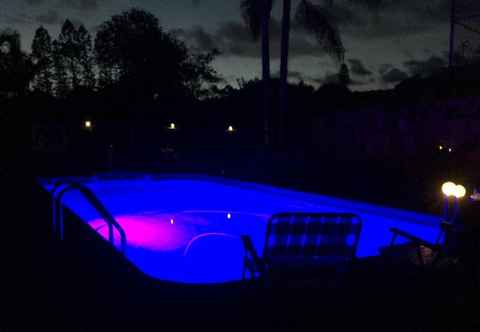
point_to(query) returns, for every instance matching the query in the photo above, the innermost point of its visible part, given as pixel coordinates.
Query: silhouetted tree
(16, 68)
(257, 15)
(86, 57)
(69, 49)
(199, 72)
(132, 49)
(105, 75)
(59, 73)
(344, 75)
(42, 55)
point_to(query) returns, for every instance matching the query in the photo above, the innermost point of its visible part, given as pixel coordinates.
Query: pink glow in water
(155, 232)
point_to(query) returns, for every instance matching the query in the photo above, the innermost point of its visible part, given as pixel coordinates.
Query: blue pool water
(187, 228)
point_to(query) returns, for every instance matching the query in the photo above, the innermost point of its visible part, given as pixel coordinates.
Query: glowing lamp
(440, 147)
(88, 124)
(172, 126)
(229, 216)
(230, 129)
(450, 149)
(172, 221)
(449, 189)
(459, 191)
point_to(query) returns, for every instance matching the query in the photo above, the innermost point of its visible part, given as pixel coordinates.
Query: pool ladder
(61, 188)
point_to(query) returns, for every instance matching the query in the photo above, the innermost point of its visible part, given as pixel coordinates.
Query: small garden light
(231, 129)
(88, 125)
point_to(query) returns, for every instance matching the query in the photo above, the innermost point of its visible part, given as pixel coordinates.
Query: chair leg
(420, 256)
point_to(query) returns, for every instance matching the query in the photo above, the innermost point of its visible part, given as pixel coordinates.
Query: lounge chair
(301, 244)
(422, 252)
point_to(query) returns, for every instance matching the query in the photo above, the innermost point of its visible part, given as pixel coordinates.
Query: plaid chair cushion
(312, 237)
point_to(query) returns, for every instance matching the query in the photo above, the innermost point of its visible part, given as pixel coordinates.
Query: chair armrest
(251, 254)
(418, 241)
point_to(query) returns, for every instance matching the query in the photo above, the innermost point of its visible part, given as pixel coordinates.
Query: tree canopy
(133, 50)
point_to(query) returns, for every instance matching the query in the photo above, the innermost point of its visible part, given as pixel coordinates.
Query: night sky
(408, 37)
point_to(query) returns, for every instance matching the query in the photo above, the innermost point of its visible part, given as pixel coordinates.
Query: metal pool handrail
(61, 188)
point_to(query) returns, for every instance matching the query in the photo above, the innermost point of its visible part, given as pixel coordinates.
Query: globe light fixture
(449, 189)
(457, 191)
(460, 191)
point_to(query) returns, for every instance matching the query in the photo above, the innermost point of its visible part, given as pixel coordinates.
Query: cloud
(292, 75)
(358, 68)
(199, 38)
(385, 67)
(51, 17)
(34, 2)
(233, 38)
(331, 77)
(425, 67)
(393, 75)
(85, 5)
(16, 18)
(393, 18)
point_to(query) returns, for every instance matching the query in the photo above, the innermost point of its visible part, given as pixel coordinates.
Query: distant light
(172, 221)
(449, 189)
(229, 216)
(440, 147)
(460, 191)
(450, 149)
(88, 124)
(475, 196)
(231, 129)
(172, 126)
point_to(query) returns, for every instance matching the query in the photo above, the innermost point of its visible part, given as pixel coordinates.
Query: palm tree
(316, 20)
(257, 14)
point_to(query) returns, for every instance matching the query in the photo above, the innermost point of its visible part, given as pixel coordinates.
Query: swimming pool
(187, 228)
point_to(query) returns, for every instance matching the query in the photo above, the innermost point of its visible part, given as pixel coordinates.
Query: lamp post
(455, 191)
(459, 193)
(447, 189)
